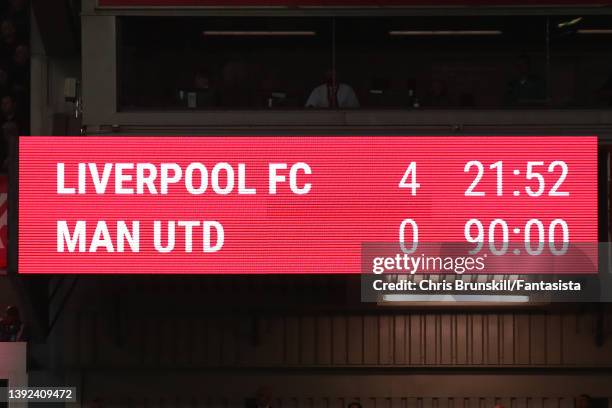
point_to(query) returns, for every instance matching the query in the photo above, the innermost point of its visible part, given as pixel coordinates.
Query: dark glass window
(422, 62)
(221, 63)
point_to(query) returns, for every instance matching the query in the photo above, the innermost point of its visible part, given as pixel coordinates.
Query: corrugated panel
(542, 339)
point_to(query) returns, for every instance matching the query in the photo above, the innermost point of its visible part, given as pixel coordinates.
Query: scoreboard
(305, 205)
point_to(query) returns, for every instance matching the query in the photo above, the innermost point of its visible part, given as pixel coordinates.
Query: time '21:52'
(537, 179)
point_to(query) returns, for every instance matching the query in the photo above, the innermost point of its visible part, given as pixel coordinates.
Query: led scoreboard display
(286, 205)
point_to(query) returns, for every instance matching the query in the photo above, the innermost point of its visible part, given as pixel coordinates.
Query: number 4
(410, 175)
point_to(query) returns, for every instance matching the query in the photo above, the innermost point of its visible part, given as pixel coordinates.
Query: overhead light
(569, 23)
(260, 33)
(444, 32)
(595, 31)
(407, 300)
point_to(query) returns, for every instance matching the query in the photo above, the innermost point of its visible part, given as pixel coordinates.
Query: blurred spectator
(8, 31)
(9, 127)
(21, 63)
(18, 10)
(10, 116)
(354, 404)
(583, 401)
(20, 78)
(14, 75)
(9, 137)
(526, 88)
(11, 326)
(332, 94)
(15, 56)
(437, 95)
(263, 398)
(5, 84)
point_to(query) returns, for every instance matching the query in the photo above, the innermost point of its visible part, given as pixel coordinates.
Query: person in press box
(201, 93)
(333, 94)
(526, 87)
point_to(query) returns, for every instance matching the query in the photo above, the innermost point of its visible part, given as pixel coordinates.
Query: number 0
(402, 236)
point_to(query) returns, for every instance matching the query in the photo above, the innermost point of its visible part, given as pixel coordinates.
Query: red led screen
(233, 205)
